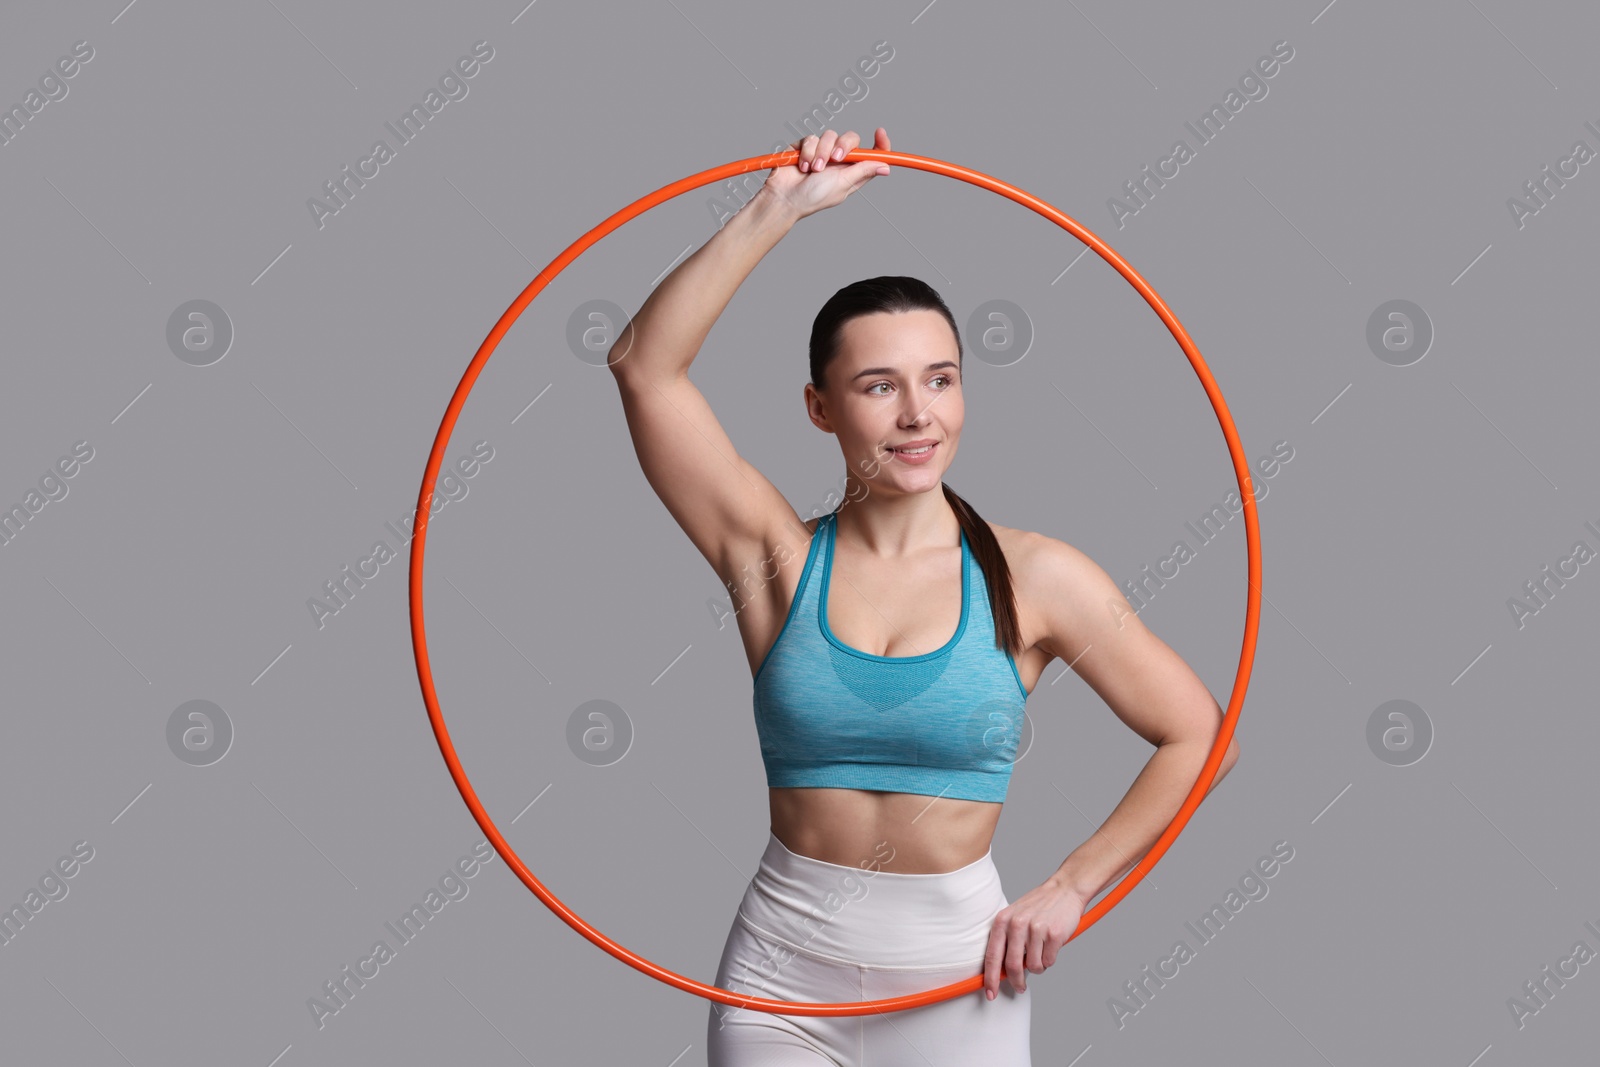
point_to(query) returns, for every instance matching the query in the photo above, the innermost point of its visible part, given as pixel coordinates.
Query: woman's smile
(917, 456)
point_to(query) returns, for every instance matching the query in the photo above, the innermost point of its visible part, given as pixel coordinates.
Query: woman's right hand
(811, 184)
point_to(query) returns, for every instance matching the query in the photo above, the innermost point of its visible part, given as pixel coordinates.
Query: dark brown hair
(895, 294)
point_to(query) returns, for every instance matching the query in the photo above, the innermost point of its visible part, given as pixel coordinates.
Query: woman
(893, 644)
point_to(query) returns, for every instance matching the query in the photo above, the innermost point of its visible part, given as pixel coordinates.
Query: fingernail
(838, 154)
(804, 165)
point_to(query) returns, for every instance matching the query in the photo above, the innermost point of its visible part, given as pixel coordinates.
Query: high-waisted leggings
(819, 932)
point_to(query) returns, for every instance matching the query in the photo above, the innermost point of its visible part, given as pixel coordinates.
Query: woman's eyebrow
(894, 370)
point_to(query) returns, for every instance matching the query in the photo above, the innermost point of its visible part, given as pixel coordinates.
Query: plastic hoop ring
(419, 638)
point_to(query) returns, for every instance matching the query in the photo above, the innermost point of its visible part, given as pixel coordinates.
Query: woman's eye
(947, 379)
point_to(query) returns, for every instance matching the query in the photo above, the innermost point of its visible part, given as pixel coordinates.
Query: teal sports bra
(945, 723)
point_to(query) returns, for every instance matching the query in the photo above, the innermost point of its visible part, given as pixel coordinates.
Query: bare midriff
(850, 827)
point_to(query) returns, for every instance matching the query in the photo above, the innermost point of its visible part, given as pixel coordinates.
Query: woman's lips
(919, 458)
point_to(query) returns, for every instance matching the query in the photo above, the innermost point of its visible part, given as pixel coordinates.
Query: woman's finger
(848, 142)
(992, 957)
(863, 172)
(808, 152)
(825, 148)
(1052, 949)
(1034, 959)
(1016, 947)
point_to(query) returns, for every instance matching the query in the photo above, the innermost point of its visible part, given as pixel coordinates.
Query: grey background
(1421, 498)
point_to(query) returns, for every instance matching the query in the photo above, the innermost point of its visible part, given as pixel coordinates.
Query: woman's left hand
(1028, 933)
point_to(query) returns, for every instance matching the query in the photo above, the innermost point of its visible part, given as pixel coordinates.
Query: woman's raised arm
(726, 507)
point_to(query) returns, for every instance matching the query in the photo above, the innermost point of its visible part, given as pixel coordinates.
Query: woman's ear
(816, 409)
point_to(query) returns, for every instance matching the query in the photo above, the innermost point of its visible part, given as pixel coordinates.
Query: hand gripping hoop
(419, 638)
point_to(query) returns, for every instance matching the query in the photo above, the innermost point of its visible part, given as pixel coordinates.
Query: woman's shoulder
(1029, 552)
(1018, 545)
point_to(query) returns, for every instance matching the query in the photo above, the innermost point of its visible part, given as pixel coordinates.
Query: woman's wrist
(1077, 882)
(769, 207)
(1091, 867)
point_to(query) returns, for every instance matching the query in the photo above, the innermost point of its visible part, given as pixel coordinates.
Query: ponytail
(996, 573)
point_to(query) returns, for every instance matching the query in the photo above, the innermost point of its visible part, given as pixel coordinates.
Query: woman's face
(895, 382)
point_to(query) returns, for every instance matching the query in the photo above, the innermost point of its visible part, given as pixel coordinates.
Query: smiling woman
(891, 659)
(905, 411)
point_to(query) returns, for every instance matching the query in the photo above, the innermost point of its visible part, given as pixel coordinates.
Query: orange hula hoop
(419, 638)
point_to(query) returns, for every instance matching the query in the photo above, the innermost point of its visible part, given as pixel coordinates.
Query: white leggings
(816, 932)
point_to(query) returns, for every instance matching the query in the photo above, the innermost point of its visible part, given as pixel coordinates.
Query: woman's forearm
(1139, 819)
(663, 338)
